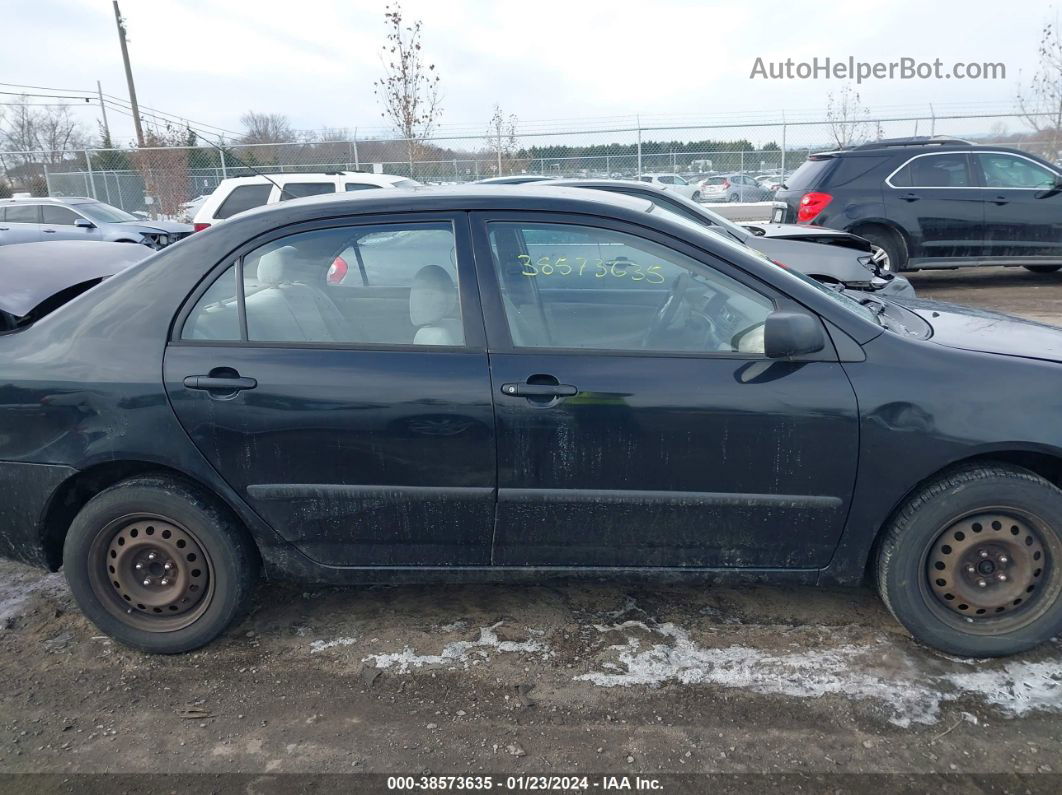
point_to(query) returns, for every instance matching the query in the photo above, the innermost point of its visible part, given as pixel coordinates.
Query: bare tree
(49, 129)
(266, 128)
(409, 88)
(501, 139)
(163, 164)
(848, 119)
(1040, 103)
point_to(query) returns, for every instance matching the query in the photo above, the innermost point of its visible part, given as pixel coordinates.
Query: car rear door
(1023, 211)
(626, 438)
(20, 223)
(354, 414)
(934, 199)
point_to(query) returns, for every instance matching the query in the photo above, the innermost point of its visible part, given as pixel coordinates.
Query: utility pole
(103, 110)
(129, 75)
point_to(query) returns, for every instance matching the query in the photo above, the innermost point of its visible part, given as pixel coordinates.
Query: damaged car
(516, 383)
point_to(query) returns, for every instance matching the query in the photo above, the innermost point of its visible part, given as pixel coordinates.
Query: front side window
(58, 216)
(567, 286)
(1009, 171)
(387, 284)
(934, 171)
(299, 190)
(243, 197)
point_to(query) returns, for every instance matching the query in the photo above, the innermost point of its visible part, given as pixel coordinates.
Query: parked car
(533, 381)
(772, 182)
(36, 277)
(732, 188)
(935, 202)
(30, 220)
(237, 194)
(673, 183)
(833, 258)
(513, 179)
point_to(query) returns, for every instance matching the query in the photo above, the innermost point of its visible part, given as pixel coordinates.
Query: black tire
(913, 577)
(891, 244)
(696, 196)
(732, 198)
(1042, 268)
(209, 588)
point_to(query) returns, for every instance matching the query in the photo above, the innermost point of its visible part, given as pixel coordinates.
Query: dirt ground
(562, 678)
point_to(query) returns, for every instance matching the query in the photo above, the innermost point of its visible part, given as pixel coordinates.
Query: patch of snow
(908, 694)
(13, 593)
(456, 653)
(322, 645)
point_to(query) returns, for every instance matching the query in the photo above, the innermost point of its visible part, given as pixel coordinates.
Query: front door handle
(219, 384)
(1000, 200)
(539, 390)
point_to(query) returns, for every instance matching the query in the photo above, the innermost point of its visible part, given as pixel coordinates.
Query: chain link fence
(164, 181)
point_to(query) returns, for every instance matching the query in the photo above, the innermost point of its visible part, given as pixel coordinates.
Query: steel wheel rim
(991, 542)
(151, 573)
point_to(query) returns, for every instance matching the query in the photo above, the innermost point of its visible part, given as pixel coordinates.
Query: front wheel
(1042, 268)
(159, 566)
(970, 565)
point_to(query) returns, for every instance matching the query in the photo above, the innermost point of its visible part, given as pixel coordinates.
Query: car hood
(809, 234)
(170, 227)
(30, 273)
(982, 330)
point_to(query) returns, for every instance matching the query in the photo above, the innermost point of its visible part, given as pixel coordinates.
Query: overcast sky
(315, 60)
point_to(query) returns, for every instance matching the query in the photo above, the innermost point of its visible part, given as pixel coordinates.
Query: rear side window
(849, 169)
(934, 171)
(59, 216)
(299, 190)
(244, 197)
(22, 214)
(351, 186)
(810, 174)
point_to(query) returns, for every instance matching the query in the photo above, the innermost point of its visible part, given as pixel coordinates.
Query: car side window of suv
(385, 284)
(949, 170)
(22, 214)
(1002, 170)
(243, 197)
(577, 287)
(299, 190)
(58, 216)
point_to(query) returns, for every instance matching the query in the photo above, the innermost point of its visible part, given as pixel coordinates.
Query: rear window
(809, 174)
(244, 197)
(299, 190)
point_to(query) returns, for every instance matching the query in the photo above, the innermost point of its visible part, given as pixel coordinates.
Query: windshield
(104, 214)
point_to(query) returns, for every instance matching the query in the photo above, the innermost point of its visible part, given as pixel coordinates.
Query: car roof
(49, 200)
(288, 176)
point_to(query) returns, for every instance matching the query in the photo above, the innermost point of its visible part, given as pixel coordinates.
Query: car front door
(349, 404)
(934, 199)
(638, 421)
(20, 223)
(1023, 210)
(57, 223)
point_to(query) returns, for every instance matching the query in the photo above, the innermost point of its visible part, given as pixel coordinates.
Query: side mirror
(84, 223)
(788, 334)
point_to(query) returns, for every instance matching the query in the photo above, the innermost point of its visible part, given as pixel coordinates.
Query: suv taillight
(200, 227)
(811, 204)
(337, 272)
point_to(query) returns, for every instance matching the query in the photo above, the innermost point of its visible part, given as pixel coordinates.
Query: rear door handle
(910, 197)
(216, 384)
(49, 231)
(1000, 200)
(539, 390)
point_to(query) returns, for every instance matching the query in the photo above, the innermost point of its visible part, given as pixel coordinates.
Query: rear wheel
(971, 563)
(889, 251)
(696, 196)
(159, 566)
(733, 197)
(1042, 268)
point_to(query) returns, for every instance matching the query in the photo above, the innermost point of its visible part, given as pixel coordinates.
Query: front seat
(433, 308)
(286, 309)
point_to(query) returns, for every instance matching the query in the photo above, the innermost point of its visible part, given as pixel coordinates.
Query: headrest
(278, 266)
(432, 297)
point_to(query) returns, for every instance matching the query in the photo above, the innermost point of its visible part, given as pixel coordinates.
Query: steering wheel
(668, 310)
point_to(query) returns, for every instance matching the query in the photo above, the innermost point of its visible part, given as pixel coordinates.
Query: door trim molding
(288, 491)
(684, 498)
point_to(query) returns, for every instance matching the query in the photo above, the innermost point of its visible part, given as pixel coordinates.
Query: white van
(244, 193)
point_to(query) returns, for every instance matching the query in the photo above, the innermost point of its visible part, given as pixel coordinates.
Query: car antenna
(238, 159)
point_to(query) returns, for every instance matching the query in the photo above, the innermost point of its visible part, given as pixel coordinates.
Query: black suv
(934, 203)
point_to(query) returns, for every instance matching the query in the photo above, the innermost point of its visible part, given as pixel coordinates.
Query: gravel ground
(560, 678)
